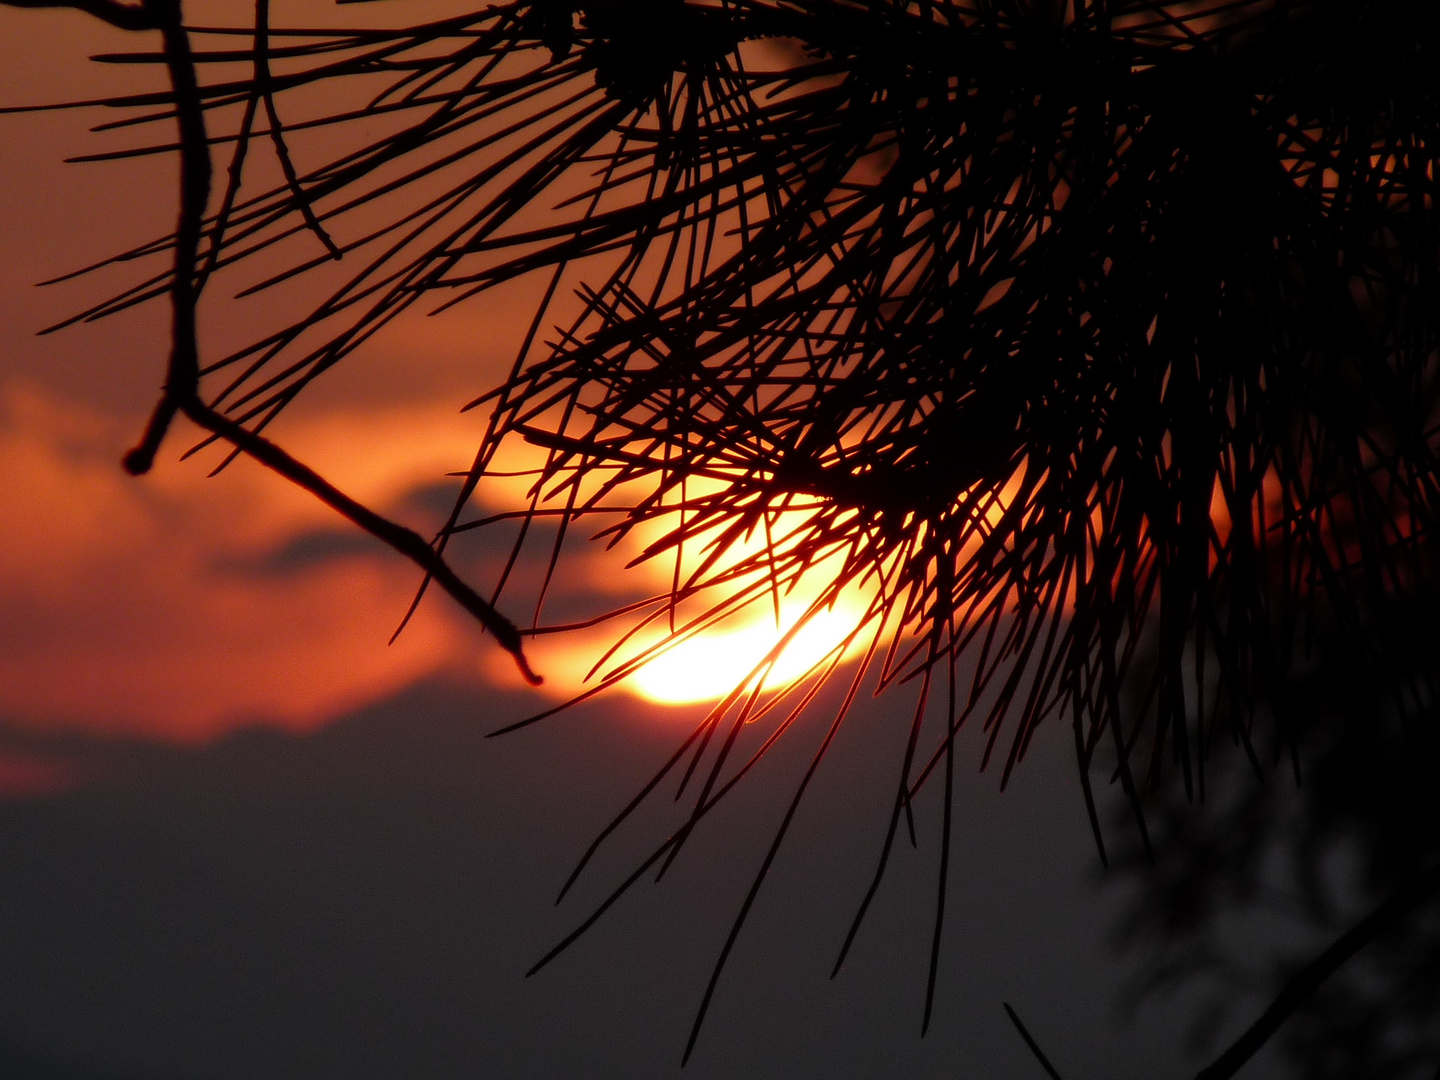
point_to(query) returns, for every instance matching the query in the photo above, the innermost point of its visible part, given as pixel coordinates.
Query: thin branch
(182, 383)
(403, 540)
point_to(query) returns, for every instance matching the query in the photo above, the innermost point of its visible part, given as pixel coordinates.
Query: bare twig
(182, 383)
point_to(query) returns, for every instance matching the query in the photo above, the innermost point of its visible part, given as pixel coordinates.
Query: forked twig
(181, 393)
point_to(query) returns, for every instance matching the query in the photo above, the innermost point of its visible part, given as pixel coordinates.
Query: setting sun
(710, 665)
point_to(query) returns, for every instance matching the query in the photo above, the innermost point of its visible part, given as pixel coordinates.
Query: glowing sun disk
(711, 664)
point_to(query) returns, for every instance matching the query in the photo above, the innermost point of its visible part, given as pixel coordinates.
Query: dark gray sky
(363, 902)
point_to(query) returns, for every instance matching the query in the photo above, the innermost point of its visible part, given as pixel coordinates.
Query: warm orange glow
(167, 606)
(747, 646)
(711, 664)
(707, 662)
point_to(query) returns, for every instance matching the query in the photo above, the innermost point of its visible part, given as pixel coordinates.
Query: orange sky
(180, 606)
(177, 605)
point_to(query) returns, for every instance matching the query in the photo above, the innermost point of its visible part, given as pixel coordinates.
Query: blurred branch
(1299, 989)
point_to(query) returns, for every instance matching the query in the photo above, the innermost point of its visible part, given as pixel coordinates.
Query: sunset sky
(256, 602)
(243, 836)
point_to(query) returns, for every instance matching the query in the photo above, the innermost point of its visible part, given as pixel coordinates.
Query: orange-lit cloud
(178, 605)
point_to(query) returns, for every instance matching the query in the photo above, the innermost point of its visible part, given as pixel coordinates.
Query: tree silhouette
(1094, 341)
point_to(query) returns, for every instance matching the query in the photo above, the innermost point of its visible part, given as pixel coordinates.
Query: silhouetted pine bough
(1094, 342)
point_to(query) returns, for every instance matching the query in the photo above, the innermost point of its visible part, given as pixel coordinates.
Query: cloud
(362, 902)
(178, 605)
